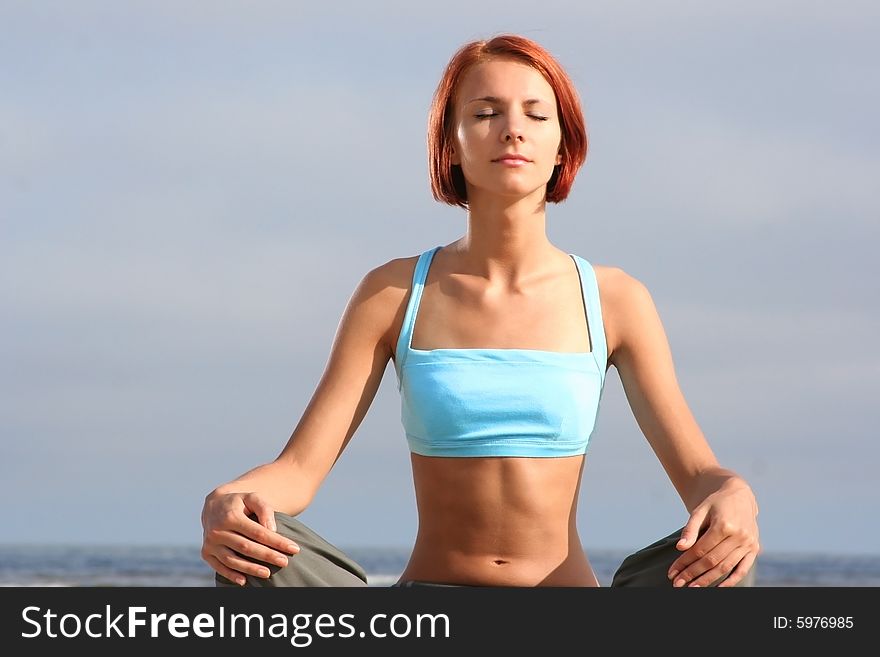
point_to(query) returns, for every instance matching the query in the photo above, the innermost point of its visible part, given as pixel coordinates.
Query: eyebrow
(495, 99)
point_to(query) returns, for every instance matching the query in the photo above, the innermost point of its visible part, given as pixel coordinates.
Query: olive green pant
(319, 563)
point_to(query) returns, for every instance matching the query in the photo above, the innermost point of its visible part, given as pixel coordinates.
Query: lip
(512, 158)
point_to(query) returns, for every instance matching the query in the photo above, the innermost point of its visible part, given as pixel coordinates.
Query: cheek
(552, 148)
(460, 137)
(472, 135)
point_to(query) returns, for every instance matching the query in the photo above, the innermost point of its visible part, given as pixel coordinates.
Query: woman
(501, 342)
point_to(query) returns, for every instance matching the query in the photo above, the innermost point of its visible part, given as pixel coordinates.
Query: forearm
(279, 483)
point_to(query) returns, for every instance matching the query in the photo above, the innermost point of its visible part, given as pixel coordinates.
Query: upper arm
(356, 364)
(643, 359)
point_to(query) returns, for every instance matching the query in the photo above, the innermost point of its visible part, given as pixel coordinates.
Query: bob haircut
(447, 180)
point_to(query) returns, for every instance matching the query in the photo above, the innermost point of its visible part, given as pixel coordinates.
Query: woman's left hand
(720, 538)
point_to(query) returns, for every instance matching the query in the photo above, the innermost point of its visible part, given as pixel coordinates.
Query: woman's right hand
(239, 531)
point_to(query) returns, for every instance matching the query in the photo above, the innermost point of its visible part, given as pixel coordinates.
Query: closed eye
(534, 116)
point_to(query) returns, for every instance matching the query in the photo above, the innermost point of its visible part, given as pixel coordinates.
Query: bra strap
(404, 340)
(594, 309)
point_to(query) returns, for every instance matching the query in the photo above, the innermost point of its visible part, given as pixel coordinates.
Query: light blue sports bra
(500, 402)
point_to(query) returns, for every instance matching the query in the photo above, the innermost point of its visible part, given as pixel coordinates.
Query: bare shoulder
(392, 279)
(386, 288)
(623, 298)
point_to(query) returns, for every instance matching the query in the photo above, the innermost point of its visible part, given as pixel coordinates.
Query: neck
(506, 241)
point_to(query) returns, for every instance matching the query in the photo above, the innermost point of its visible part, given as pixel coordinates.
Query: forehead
(505, 79)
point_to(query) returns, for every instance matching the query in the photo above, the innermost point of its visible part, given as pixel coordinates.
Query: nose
(513, 130)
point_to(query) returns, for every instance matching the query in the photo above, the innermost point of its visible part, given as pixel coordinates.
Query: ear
(559, 158)
(453, 156)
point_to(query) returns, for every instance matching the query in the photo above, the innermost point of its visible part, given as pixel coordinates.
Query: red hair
(447, 179)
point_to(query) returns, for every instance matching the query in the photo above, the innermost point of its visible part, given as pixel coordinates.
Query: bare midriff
(498, 521)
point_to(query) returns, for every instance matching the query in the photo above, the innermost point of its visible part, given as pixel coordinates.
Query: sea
(182, 566)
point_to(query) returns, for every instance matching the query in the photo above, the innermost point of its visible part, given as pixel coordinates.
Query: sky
(191, 191)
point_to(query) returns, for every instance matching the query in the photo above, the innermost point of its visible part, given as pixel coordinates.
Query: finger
(723, 561)
(256, 550)
(741, 570)
(261, 536)
(243, 565)
(703, 556)
(232, 575)
(260, 508)
(691, 531)
(271, 539)
(705, 544)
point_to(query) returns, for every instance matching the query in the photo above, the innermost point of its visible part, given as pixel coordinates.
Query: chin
(512, 188)
(520, 191)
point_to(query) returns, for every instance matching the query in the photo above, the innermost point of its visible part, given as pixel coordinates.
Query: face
(505, 107)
